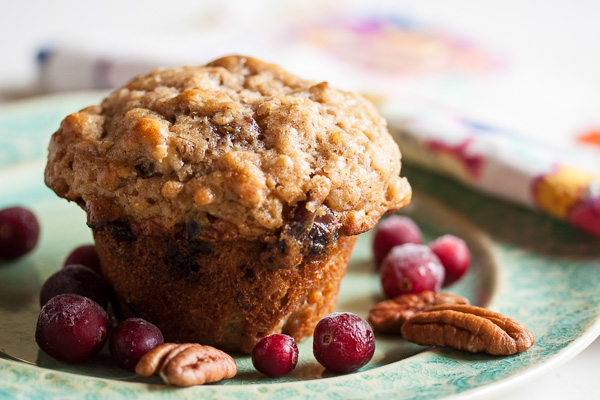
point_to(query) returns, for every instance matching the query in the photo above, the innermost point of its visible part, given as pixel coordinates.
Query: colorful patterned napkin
(495, 161)
(455, 105)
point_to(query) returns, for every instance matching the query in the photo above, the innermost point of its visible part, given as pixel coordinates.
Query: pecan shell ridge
(388, 316)
(469, 328)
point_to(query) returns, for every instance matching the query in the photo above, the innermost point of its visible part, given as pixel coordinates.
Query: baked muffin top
(234, 146)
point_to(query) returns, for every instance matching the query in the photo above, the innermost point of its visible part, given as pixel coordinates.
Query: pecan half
(469, 328)
(389, 315)
(187, 364)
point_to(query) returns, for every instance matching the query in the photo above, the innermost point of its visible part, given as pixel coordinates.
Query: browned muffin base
(225, 295)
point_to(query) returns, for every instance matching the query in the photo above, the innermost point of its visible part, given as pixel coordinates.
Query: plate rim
(566, 353)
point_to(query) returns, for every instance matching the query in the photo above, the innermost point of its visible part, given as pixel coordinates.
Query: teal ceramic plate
(541, 272)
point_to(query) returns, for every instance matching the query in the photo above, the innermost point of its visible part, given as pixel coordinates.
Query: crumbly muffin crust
(233, 146)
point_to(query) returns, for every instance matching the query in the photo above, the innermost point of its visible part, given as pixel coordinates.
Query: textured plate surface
(539, 271)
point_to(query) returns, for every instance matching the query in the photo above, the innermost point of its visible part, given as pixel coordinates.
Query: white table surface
(26, 25)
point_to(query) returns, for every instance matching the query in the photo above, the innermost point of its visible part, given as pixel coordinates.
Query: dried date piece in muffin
(225, 199)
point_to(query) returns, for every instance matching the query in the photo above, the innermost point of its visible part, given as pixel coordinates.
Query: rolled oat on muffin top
(233, 149)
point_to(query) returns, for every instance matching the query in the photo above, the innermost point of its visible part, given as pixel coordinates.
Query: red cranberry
(19, 232)
(343, 342)
(275, 355)
(85, 255)
(411, 268)
(76, 279)
(131, 339)
(71, 328)
(393, 231)
(454, 255)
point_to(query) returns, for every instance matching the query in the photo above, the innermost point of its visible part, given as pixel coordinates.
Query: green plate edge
(547, 278)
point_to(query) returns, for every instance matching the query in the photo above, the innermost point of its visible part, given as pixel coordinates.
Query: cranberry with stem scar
(275, 355)
(71, 328)
(343, 342)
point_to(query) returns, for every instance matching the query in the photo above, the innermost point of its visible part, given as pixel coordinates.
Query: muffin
(225, 199)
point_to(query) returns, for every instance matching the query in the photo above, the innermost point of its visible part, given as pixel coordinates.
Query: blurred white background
(562, 38)
(550, 52)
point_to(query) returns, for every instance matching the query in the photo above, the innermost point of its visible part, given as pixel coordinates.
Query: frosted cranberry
(454, 255)
(393, 231)
(71, 328)
(275, 355)
(19, 232)
(411, 268)
(76, 279)
(85, 255)
(131, 339)
(343, 342)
